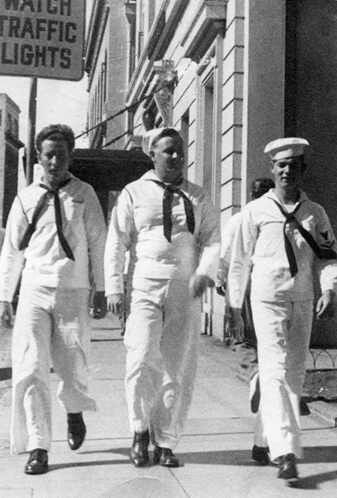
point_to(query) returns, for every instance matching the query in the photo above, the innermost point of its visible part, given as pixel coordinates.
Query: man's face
(55, 160)
(288, 172)
(168, 159)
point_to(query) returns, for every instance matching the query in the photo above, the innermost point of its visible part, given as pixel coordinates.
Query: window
(208, 119)
(130, 122)
(104, 71)
(131, 14)
(140, 42)
(185, 133)
(132, 49)
(9, 123)
(15, 127)
(151, 12)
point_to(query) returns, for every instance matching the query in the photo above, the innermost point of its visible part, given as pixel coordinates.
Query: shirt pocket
(309, 225)
(73, 210)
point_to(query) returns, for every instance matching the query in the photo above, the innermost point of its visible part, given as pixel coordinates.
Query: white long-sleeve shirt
(44, 262)
(227, 239)
(260, 240)
(137, 224)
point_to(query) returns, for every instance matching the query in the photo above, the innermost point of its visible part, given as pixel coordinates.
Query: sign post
(30, 149)
(41, 39)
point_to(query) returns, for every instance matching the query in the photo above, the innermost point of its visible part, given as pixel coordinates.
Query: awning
(109, 169)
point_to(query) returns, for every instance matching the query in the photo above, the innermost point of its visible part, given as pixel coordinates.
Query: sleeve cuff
(115, 285)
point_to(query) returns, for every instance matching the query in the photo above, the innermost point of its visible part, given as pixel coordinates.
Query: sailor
(288, 238)
(55, 229)
(172, 229)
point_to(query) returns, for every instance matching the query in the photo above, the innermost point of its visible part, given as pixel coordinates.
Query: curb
(325, 410)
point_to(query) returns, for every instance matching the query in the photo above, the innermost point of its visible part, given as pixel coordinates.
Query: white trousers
(51, 325)
(161, 339)
(283, 334)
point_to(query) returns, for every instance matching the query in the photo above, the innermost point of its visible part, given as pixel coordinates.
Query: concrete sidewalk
(214, 451)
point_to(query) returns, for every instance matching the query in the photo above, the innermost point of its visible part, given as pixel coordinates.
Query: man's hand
(116, 304)
(6, 314)
(325, 307)
(99, 305)
(198, 284)
(236, 324)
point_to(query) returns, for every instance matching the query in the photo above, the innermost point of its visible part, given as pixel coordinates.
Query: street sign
(42, 38)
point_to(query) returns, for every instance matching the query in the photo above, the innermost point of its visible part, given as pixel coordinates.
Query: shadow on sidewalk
(313, 481)
(223, 457)
(319, 454)
(234, 457)
(119, 451)
(312, 454)
(91, 463)
(60, 466)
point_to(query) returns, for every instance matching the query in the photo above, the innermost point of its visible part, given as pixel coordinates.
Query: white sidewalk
(214, 451)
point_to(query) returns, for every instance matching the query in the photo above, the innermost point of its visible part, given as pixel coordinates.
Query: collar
(271, 195)
(151, 175)
(39, 180)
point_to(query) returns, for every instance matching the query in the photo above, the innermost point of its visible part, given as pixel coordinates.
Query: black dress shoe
(139, 454)
(165, 457)
(288, 469)
(76, 430)
(261, 454)
(37, 462)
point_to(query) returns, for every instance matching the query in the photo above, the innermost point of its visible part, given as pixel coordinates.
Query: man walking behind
(172, 230)
(258, 187)
(54, 230)
(286, 236)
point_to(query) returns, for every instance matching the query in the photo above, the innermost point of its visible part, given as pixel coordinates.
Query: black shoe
(37, 462)
(288, 469)
(165, 457)
(139, 454)
(261, 454)
(76, 430)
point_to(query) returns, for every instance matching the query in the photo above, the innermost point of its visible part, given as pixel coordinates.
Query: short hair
(166, 132)
(260, 186)
(55, 129)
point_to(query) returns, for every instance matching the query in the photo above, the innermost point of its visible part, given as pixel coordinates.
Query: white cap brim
(286, 147)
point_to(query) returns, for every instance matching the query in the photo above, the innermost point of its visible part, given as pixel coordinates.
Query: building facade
(106, 62)
(9, 154)
(232, 75)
